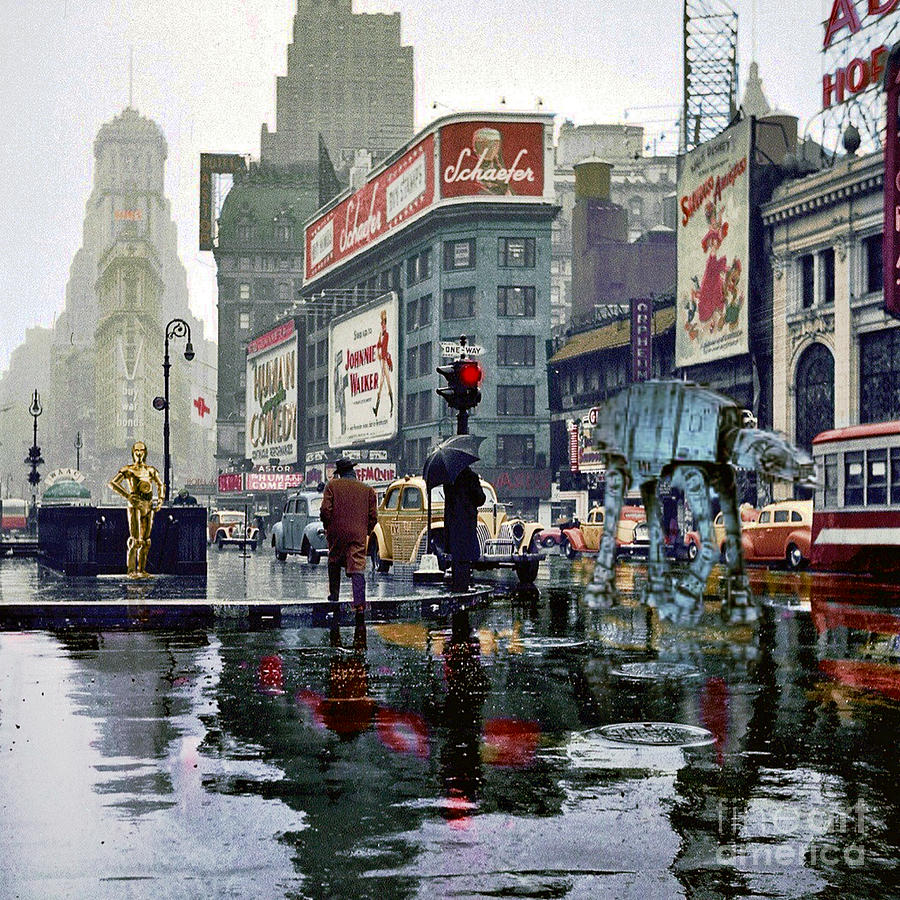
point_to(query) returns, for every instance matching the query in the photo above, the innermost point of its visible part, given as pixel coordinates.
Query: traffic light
(464, 376)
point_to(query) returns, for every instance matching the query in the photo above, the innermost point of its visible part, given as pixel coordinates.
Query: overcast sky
(205, 70)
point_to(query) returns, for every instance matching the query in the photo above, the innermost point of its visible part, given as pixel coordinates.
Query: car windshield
(230, 518)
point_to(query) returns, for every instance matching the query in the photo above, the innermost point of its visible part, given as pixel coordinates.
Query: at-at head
(773, 455)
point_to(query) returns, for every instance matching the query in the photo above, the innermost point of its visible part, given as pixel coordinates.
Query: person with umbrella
(448, 464)
(349, 513)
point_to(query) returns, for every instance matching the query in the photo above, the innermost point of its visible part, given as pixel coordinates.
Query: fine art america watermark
(779, 835)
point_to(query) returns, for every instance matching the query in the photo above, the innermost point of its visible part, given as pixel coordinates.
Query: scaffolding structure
(710, 70)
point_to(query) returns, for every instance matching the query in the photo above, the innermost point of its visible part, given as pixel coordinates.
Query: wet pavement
(202, 752)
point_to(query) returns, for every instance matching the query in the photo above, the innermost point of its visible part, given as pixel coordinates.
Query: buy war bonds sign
(713, 248)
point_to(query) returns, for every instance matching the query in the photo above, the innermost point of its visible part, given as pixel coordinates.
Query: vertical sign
(574, 444)
(891, 237)
(641, 340)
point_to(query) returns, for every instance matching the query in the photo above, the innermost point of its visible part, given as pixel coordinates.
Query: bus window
(895, 475)
(876, 477)
(853, 478)
(831, 479)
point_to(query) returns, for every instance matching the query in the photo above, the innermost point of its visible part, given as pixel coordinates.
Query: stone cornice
(800, 197)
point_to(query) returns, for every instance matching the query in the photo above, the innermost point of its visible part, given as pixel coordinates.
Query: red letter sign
(891, 237)
(843, 15)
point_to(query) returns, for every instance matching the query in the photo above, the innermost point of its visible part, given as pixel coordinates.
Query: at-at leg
(738, 605)
(687, 591)
(656, 591)
(602, 589)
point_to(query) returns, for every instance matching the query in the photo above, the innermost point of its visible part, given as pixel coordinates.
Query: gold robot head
(139, 452)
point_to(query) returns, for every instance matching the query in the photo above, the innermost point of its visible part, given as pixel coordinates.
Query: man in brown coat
(349, 513)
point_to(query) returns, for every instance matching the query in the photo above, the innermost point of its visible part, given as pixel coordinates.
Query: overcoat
(461, 502)
(349, 512)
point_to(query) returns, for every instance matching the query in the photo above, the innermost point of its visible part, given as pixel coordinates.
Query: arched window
(814, 394)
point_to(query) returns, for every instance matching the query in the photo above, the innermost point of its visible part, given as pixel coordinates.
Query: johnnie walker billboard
(713, 249)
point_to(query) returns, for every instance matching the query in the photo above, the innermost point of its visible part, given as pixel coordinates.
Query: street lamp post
(177, 328)
(34, 458)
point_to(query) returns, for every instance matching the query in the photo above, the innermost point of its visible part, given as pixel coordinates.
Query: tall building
(126, 282)
(349, 78)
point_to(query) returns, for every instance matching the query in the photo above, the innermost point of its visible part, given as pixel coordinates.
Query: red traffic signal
(470, 373)
(463, 378)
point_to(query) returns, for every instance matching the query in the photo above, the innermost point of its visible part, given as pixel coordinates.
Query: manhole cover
(650, 671)
(657, 734)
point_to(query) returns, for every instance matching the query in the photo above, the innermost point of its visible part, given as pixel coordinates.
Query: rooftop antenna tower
(710, 70)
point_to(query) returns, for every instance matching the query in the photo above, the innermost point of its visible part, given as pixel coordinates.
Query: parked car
(783, 532)
(692, 540)
(401, 532)
(227, 526)
(300, 529)
(585, 537)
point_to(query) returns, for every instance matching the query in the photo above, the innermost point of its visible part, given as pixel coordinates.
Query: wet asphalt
(165, 739)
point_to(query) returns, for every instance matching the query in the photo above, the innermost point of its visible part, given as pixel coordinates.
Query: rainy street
(165, 740)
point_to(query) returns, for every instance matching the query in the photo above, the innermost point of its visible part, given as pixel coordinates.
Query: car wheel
(548, 542)
(693, 551)
(378, 564)
(220, 542)
(312, 555)
(794, 557)
(568, 550)
(280, 555)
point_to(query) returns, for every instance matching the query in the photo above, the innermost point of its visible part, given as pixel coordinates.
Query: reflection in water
(330, 762)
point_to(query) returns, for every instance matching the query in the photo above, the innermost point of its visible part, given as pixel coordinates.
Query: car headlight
(518, 530)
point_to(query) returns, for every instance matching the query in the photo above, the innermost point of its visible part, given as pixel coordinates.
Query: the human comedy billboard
(713, 248)
(363, 379)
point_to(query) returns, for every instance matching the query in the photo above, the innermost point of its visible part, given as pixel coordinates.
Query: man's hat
(344, 465)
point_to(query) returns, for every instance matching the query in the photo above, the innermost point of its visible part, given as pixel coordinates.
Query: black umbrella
(449, 458)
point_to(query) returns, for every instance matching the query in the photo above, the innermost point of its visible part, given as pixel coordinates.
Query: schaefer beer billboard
(713, 248)
(457, 159)
(363, 395)
(271, 418)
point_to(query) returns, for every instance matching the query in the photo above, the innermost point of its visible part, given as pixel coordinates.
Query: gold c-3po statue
(135, 484)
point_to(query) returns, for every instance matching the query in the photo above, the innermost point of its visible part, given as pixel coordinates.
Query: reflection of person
(387, 364)
(348, 708)
(340, 380)
(135, 483)
(349, 513)
(461, 501)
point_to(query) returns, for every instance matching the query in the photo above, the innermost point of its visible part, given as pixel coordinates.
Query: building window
(515, 301)
(411, 406)
(515, 400)
(879, 375)
(872, 249)
(321, 352)
(425, 264)
(459, 254)
(418, 407)
(425, 310)
(424, 406)
(424, 359)
(284, 292)
(459, 303)
(244, 321)
(515, 253)
(815, 393)
(412, 316)
(321, 390)
(515, 450)
(245, 263)
(245, 233)
(284, 232)
(412, 366)
(636, 208)
(310, 393)
(826, 258)
(244, 291)
(807, 281)
(515, 349)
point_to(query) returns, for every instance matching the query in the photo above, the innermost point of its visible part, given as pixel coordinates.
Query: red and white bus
(13, 515)
(856, 515)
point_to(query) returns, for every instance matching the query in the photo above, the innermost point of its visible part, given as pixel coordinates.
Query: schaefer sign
(713, 246)
(400, 192)
(271, 420)
(363, 397)
(460, 158)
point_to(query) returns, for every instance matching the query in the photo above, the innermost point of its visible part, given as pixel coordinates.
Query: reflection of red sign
(499, 159)
(512, 483)
(401, 191)
(229, 482)
(402, 732)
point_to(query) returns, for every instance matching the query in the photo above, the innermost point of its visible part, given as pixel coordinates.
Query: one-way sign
(451, 348)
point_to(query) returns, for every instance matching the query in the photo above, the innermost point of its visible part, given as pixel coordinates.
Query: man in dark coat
(349, 513)
(461, 501)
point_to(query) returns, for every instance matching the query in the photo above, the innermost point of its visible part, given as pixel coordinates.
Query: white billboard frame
(272, 397)
(363, 358)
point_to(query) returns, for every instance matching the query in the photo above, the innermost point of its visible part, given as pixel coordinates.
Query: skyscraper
(349, 78)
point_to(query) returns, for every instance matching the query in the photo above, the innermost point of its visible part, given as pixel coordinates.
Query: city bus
(13, 515)
(856, 514)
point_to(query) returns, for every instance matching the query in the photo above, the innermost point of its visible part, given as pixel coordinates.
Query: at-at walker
(696, 438)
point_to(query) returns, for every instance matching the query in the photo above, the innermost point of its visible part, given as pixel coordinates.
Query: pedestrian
(349, 514)
(461, 501)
